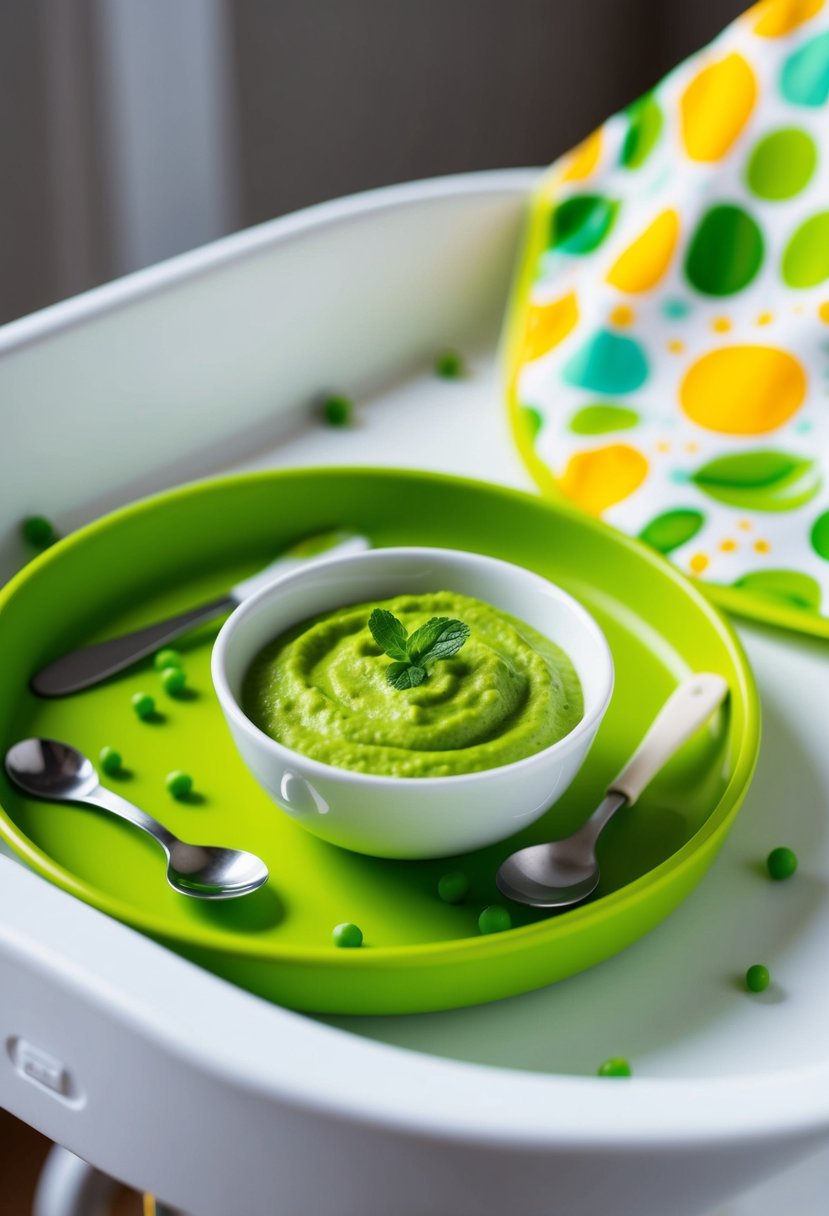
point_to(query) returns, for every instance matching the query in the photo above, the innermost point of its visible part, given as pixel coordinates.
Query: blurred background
(131, 130)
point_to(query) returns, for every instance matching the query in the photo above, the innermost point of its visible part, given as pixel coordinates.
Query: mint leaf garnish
(452, 636)
(439, 638)
(405, 675)
(423, 639)
(389, 634)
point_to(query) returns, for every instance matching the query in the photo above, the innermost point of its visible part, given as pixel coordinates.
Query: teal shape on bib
(804, 80)
(607, 363)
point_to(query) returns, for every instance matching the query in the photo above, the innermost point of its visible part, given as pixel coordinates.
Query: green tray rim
(485, 946)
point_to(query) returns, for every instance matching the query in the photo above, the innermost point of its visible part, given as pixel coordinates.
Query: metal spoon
(48, 769)
(565, 872)
(84, 668)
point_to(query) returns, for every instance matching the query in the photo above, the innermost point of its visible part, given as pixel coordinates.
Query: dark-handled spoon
(84, 668)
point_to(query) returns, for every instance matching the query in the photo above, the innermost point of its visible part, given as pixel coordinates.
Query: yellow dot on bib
(743, 390)
(823, 312)
(663, 446)
(598, 478)
(744, 525)
(728, 546)
(691, 447)
(715, 107)
(762, 546)
(721, 325)
(584, 158)
(644, 262)
(623, 314)
(547, 325)
(698, 563)
(764, 318)
(675, 346)
(776, 18)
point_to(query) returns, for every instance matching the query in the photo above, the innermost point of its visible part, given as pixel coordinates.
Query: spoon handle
(106, 800)
(83, 668)
(688, 707)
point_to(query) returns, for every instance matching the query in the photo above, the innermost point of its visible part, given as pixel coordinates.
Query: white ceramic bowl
(411, 816)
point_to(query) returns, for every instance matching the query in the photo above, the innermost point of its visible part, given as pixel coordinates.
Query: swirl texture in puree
(321, 689)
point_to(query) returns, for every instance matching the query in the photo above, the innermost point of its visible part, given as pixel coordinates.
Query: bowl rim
(589, 722)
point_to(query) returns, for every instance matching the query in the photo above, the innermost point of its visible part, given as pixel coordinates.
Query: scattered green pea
(173, 680)
(178, 784)
(37, 530)
(337, 411)
(494, 919)
(449, 364)
(453, 887)
(167, 658)
(347, 935)
(616, 1066)
(110, 761)
(143, 704)
(781, 863)
(757, 978)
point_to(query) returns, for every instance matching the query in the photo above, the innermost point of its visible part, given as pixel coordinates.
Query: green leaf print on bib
(759, 481)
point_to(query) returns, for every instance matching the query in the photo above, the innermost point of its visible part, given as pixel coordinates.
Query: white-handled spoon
(565, 872)
(46, 768)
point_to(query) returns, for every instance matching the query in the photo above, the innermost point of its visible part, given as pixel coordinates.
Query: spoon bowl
(57, 772)
(566, 872)
(46, 768)
(563, 872)
(544, 876)
(211, 872)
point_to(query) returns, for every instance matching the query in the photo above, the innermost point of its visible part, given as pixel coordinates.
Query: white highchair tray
(173, 1080)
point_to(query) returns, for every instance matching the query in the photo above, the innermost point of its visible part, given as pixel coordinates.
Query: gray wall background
(133, 129)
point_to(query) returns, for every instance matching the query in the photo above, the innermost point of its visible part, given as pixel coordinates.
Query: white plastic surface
(232, 1102)
(222, 352)
(269, 1111)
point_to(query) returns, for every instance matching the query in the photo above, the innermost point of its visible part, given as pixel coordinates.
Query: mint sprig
(389, 634)
(405, 675)
(439, 638)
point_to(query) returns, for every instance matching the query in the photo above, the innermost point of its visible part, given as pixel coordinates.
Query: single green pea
(110, 761)
(337, 411)
(781, 863)
(143, 704)
(173, 680)
(494, 919)
(616, 1066)
(347, 935)
(757, 978)
(37, 530)
(449, 364)
(167, 658)
(453, 887)
(178, 784)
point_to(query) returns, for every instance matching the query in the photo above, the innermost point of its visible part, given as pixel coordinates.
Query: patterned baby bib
(667, 345)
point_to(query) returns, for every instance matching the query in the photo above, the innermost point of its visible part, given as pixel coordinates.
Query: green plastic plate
(171, 552)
